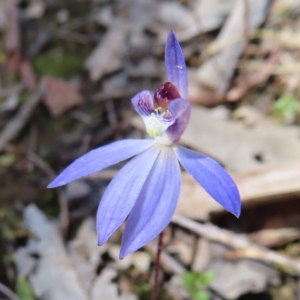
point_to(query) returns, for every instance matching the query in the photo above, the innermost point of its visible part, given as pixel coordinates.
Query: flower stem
(155, 290)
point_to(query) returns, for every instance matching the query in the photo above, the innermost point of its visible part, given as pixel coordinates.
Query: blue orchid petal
(213, 178)
(143, 103)
(181, 112)
(175, 65)
(122, 193)
(99, 159)
(155, 205)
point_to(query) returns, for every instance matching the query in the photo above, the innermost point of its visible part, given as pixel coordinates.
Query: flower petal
(101, 158)
(213, 178)
(175, 65)
(181, 112)
(156, 121)
(143, 103)
(122, 192)
(155, 205)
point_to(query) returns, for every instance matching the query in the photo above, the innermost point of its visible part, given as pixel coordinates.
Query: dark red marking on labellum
(166, 93)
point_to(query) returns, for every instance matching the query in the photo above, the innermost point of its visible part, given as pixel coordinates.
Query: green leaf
(59, 62)
(206, 278)
(24, 290)
(201, 295)
(195, 283)
(189, 281)
(286, 107)
(7, 160)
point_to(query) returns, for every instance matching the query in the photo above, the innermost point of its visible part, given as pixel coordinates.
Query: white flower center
(157, 124)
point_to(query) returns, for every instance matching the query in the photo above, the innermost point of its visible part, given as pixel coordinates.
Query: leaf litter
(98, 54)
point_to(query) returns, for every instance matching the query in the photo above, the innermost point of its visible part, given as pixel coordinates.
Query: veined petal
(155, 205)
(175, 65)
(143, 103)
(122, 192)
(213, 178)
(181, 112)
(156, 121)
(101, 158)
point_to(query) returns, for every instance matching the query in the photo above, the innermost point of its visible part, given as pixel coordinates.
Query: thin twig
(63, 201)
(15, 125)
(240, 243)
(15, 89)
(8, 292)
(249, 81)
(41, 164)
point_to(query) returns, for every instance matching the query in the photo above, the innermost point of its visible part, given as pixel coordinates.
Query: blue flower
(147, 188)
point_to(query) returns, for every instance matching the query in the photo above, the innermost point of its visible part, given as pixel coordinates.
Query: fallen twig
(237, 242)
(15, 89)
(15, 125)
(63, 201)
(167, 261)
(8, 292)
(249, 81)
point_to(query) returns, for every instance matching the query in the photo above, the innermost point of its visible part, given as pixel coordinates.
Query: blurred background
(68, 69)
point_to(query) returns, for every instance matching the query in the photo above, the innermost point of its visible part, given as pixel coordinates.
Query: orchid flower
(146, 190)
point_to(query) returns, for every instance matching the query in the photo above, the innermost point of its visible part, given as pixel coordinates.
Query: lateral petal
(122, 193)
(181, 112)
(155, 205)
(212, 177)
(175, 65)
(101, 158)
(143, 103)
(155, 121)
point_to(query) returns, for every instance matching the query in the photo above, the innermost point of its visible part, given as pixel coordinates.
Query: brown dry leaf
(139, 259)
(105, 289)
(200, 16)
(274, 237)
(202, 255)
(61, 96)
(182, 245)
(49, 267)
(12, 29)
(216, 72)
(85, 254)
(241, 147)
(176, 288)
(233, 279)
(106, 58)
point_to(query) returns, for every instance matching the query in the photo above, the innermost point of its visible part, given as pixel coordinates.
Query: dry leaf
(233, 279)
(53, 276)
(106, 58)
(61, 96)
(85, 254)
(216, 72)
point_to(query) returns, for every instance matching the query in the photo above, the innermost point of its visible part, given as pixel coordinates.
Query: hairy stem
(155, 290)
